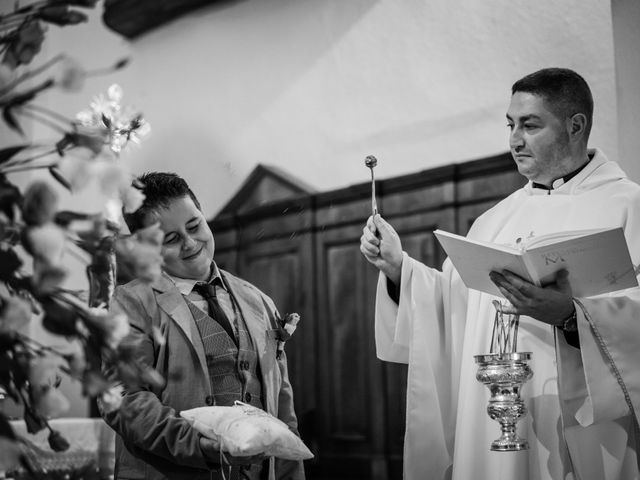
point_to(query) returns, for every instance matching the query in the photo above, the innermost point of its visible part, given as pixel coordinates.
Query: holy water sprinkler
(371, 162)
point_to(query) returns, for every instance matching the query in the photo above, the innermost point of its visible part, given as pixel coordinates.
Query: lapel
(171, 301)
(251, 308)
(253, 311)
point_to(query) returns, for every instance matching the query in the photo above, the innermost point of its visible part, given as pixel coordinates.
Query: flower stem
(37, 345)
(77, 254)
(32, 73)
(46, 111)
(40, 118)
(73, 301)
(11, 20)
(29, 167)
(24, 161)
(28, 9)
(110, 69)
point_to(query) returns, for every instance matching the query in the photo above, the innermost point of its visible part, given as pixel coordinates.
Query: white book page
(597, 263)
(550, 238)
(474, 260)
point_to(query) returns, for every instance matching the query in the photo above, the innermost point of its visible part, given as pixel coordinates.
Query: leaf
(123, 62)
(5, 428)
(33, 420)
(50, 403)
(11, 121)
(65, 217)
(63, 143)
(135, 123)
(10, 196)
(82, 3)
(11, 455)
(9, 263)
(57, 442)
(7, 153)
(93, 383)
(24, 97)
(57, 16)
(55, 173)
(59, 318)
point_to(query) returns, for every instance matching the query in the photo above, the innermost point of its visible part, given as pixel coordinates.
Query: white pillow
(243, 430)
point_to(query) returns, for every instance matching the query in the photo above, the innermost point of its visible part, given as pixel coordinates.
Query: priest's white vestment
(582, 401)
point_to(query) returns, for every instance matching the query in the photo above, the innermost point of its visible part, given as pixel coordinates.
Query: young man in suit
(211, 335)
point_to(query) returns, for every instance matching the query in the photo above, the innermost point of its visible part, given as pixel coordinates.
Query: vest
(233, 369)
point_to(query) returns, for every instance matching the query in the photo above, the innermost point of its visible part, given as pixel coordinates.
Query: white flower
(47, 277)
(85, 117)
(112, 327)
(121, 329)
(14, 314)
(44, 370)
(7, 76)
(75, 167)
(115, 93)
(111, 176)
(139, 255)
(112, 210)
(75, 357)
(111, 399)
(123, 123)
(142, 131)
(132, 198)
(45, 242)
(50, 402)
(101, 106)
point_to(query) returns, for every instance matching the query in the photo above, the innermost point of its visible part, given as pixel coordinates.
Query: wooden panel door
(416, 234)
(283, 269)
(351, 395)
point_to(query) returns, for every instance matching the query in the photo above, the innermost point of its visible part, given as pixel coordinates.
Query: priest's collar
(562, 180)
(185, 285)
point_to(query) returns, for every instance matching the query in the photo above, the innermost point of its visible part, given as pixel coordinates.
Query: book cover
(598, 261)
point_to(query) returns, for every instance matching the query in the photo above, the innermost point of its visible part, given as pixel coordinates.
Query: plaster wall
(313, 86)
(626, 23)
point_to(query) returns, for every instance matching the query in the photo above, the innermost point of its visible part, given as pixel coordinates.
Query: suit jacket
(153, 441)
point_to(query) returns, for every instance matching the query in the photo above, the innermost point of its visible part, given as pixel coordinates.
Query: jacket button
(247, 397)
(209, 400)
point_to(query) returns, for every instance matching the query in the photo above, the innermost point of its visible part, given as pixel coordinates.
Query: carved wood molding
(132, 18)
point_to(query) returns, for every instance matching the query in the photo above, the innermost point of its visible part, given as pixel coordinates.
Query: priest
(584, 396)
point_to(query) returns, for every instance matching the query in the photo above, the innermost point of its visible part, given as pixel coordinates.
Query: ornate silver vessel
(504, 371)
(504, 374)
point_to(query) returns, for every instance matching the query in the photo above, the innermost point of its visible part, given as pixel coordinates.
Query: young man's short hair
(160, 189)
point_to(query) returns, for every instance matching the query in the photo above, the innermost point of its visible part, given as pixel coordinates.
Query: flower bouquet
(37, 238)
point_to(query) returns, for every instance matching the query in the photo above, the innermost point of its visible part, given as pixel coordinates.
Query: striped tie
(208, 292)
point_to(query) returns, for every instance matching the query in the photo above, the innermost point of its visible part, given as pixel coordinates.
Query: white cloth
(90, 439)
(439, 325)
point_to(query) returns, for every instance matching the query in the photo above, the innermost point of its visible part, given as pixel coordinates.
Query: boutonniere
(287, 326)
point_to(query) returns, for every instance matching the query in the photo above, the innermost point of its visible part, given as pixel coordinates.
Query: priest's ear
(577, 126)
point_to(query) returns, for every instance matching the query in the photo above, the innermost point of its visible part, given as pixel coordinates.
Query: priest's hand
(551, 304)
(381, 246)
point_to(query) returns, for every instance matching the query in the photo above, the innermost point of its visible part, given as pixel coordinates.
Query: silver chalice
(504, 371)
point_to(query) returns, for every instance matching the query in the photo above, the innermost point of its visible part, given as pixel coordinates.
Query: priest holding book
(584, 396)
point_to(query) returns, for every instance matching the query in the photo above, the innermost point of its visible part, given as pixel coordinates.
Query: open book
(598, 261)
